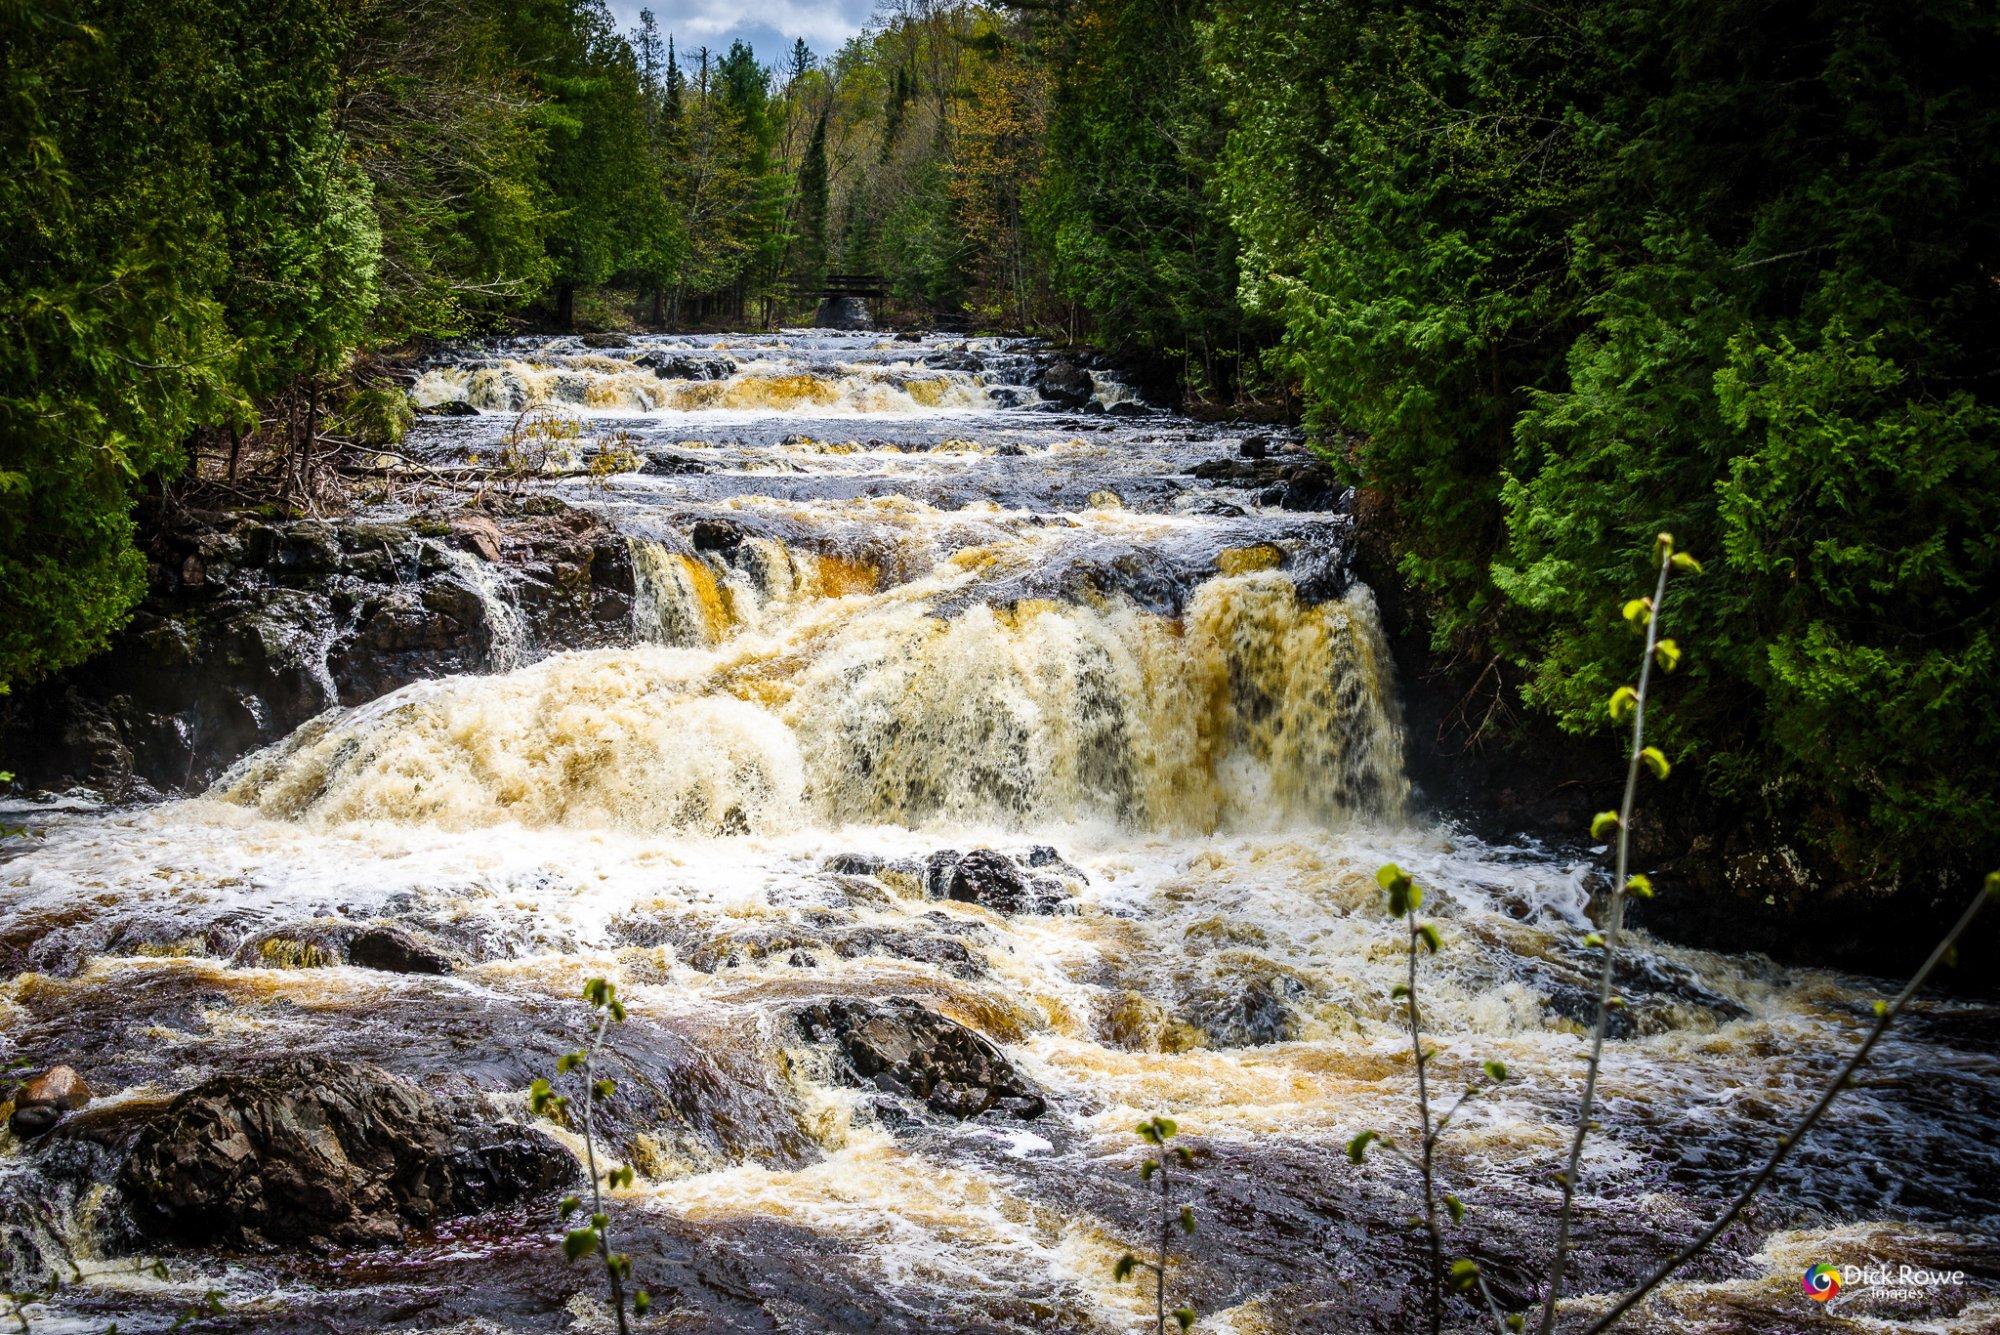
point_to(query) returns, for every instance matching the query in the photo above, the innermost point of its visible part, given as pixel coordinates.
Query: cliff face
(250, 627)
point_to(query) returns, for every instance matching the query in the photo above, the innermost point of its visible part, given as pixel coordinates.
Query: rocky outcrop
(313, 1150)
(250, 627)
(1039, 881)
(1286, 482)
(683, 366)
(1066, 383)
(901, 1048)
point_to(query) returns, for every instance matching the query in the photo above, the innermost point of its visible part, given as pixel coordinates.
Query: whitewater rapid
(887, 602)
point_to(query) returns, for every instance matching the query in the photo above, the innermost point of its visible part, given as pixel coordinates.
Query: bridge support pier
(842, 312)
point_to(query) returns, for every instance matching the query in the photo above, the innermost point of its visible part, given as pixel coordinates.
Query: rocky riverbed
(953, 760)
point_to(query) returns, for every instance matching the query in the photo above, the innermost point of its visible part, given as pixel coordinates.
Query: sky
(769, 26)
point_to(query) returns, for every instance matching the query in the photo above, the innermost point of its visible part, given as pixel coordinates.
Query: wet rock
(1066, 384)
(667, 464)
(397, 950)
(450, 408)
(715, 535)
(291, 618)
(996, 881)
(44, 1099)
(900, 1047)
(1254, 447)
(679, 366)
(603, 340)
(1246, 1008)
(479, 535)
(319, 1151)
(853, 864)
(1311, 488)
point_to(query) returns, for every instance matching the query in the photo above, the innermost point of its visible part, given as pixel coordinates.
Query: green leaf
(569, 1061)
(1429, 936)
(578, 1243)
(1399, 991)
(1357, 1148)
(1403, 892)
(1464, 1274)
(642, 1302)
(567, 1205)
(604, 1088)
(1639, 885)
(1682, 561)
(1603, 825)
(1187, 1219)
(1147, 1169)
(1184, 1318)
(597, 991)
(1123, 1270)
(1454, 1207)
(1496, 1071)
(1667, 654)
(1638, 611)
(1655, 760)
(1517, 1322)
(1592, 940)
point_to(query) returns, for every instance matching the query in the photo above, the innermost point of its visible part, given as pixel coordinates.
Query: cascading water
(889, 607)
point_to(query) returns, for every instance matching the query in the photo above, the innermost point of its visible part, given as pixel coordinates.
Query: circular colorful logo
(1821, 1282)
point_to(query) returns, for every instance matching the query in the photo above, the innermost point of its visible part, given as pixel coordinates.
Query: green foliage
(1157, 1131)
(1126, 213)
(1572, 271)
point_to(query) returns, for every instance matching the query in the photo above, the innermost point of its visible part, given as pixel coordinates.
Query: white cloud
(825, 24)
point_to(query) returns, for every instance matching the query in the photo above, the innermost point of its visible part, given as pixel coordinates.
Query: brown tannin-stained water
(891, 608)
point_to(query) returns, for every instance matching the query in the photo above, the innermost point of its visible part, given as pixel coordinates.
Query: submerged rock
(900, 1047)
(315, 1150)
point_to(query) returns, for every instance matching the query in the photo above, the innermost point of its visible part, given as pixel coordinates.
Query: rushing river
(889, 603)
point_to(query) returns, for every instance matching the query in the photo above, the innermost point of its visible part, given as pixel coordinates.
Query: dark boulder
(603, 340)
(397, 950)
(998, 882)
(316, 1150)
(902, 1048)
(450, 408)
(715, 535)
(1065, 384)
(680, 366)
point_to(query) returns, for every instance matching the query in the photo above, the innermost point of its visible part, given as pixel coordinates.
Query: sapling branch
(1626, 700)
(595, 1237)
(1157, 1131)
(1404, 898)
(1885, 1015)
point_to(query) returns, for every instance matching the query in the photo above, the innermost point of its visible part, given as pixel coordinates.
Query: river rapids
(893, 606)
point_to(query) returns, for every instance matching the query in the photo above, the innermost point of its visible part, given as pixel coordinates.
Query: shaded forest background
(1544, 278)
